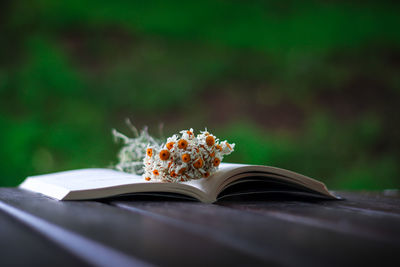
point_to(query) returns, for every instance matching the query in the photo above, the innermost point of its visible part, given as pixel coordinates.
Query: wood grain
(21, 246)
(273, 230)
(137, 235)
(290, 233)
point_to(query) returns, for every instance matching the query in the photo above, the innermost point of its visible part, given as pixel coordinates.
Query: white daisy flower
(181, 158)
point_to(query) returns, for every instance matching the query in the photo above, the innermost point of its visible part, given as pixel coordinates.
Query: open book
(230, 179)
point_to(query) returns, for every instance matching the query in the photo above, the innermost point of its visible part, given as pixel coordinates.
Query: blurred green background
(312, 86)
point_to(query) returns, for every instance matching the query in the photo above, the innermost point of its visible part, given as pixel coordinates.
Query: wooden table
(363, 230)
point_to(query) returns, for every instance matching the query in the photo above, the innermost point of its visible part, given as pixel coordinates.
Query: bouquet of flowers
(181, 158)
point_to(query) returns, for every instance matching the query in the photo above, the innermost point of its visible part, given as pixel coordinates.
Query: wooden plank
(367, 201)
(372, 201)
(135, 235)
(89, 251)
(288, 242)
(335, 216)
(22, 247)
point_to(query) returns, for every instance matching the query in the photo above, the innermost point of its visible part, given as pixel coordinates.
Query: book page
(90, 178)
(99, 183)
(211, 185)
(230, 173)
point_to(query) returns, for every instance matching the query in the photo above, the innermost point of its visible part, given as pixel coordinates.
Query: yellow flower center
(210, 140)
(216, 162)
(198, 163)
(182, 144)
(170, 145)
(164, 154)
(185, 157)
